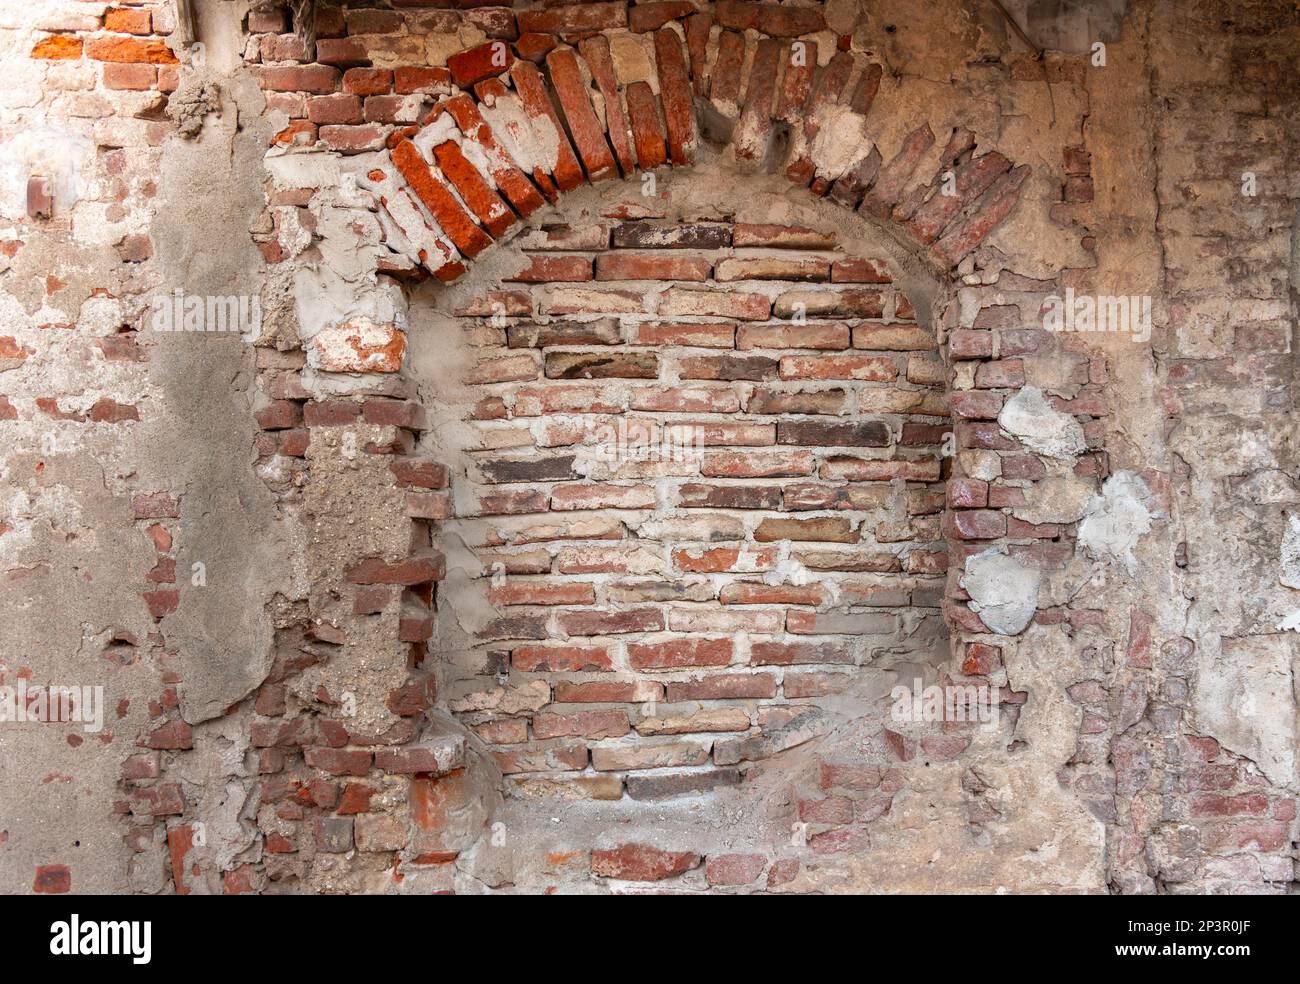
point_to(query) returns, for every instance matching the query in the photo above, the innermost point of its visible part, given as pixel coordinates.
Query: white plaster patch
(442, 129)
(1246, 700)
(1115, 521)
(531, 144)
(43, 151)
(1030, 419)
(1004, 592)
(841, 141)
(1290, 575)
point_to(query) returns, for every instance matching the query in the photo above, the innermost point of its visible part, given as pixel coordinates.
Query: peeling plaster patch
(1291, 553)
(1246, 699)
(1030, 419)
(1116, 519)
(1291, 623)
(841, 141)
(1004, 592)
(531, 145)
(43, 151)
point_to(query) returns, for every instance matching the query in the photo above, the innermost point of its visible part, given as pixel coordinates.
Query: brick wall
(713, 633)
(703, 485)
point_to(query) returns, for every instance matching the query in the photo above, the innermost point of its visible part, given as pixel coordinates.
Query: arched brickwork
(448, 213)
(532, 121)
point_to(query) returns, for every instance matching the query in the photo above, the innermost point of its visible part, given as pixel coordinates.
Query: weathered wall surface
(269, 552)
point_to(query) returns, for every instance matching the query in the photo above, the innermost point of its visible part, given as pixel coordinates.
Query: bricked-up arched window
(696, 452)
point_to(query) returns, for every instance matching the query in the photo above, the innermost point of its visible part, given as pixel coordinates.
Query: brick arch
(471, 171)
(453, 186)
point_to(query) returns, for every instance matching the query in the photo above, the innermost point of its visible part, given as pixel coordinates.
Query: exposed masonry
(401, 682)
(689, 518)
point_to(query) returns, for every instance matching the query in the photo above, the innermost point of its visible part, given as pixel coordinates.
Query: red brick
(172, 735)
(516, 592)
(52, 879)
(574, 19)
(973, 405)
(646, 17)
(770, 464)
(514, 184)
(749, 686)
(860, 271)
(614, 691)
(777, 20)
(343, 52)
(967, 344)
(747, 593)
(727, 76)
(480, 62)
(411, 79)
(680, 652)
(586, 130)
(595, 623)
(568, 497)
(640, 862)
(353, 139)
(734, 869)
(826, 91)
(535, 95)
(1002, 374)
(675, 93)
(894, 176)
(367, 81)
(128, 20)
(162, 602)
(795, 336)
(338, 761)
(109, 411)
(134, 77)
(796, 83)
(790, 653)
(337, 108)
(57, 46)
(970, 179)
(298, 78)
(975, 524)
(534, 47)
(553, 269)
(560, 659)
(695, 335)
(120, 49)
(991, 208)
(647, 126)
(585, 724)
(967, 493)
(454, 220)
(862, 367)
(415, 570)
(754, 128)
(714, 304)
(698, 28)
(595, 51)
(485, 203)
(643, 266)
